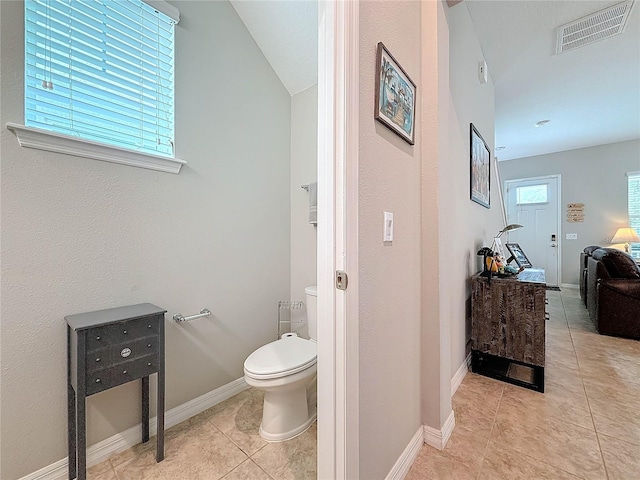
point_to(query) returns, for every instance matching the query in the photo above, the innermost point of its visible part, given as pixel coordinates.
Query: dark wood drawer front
(116, 354)
(121, 373)
(115, 334)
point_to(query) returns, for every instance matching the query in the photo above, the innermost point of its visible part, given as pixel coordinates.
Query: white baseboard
(122, 441)
(439, 438)
(460, 374)
(402, 466)
(569, 285)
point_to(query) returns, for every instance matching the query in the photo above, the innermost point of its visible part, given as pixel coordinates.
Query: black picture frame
(395, 103)
(518, 255)
(480, 168)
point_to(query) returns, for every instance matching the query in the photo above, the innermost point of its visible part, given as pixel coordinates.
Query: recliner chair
(584, 257)
(613, 293)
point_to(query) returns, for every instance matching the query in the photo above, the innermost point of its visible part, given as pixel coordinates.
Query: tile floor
(220, 443)
(585, 426)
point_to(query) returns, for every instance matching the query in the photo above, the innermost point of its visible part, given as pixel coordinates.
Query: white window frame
(30, 137)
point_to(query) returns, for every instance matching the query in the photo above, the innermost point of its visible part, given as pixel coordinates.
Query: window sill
(30, 137)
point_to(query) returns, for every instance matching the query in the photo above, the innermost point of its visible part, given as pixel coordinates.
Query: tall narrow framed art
(480, 161)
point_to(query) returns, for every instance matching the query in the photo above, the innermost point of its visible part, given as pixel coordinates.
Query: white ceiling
(591, 94)
(287, 33)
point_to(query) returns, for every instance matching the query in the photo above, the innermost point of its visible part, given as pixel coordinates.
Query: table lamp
(625, 235)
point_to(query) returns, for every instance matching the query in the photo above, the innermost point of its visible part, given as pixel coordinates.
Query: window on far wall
(531, 194)
(634, 208)
(101, 70)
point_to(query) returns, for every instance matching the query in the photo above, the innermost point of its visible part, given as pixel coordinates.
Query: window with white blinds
(634, 208)
(101, 70)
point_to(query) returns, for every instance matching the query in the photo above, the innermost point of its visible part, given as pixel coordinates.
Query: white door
(534, 203)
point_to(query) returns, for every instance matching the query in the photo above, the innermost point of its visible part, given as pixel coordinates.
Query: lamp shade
(625, 235)
(508, 228)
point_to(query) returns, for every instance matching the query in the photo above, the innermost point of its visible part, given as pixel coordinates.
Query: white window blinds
(634, 208)
(101, 70)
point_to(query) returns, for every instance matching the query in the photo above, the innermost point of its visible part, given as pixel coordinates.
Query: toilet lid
(285, 356)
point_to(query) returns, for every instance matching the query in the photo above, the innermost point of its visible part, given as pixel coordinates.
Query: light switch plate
(571, 236)
(388, 227)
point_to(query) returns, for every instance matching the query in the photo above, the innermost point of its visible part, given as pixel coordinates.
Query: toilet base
(287, 414)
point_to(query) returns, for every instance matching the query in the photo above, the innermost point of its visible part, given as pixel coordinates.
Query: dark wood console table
(508, 328)
(105, 349)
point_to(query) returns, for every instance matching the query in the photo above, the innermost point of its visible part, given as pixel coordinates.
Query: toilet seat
(281, 358)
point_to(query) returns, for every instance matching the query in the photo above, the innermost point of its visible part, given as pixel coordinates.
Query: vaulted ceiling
(591, 95)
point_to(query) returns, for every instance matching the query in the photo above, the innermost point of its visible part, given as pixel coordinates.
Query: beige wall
(81, 235)
(389, 274)
(304, 170)
(595, 176)
(465, 226)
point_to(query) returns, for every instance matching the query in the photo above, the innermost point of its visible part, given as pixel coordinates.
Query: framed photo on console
(518, 255)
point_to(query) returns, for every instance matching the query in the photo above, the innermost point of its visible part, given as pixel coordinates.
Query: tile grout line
(486, 447)
(604, 463)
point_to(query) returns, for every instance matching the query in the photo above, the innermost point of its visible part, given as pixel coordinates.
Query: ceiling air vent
(592, 28)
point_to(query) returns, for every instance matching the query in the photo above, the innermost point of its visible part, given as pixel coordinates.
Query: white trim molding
(39, 139)
(120, 442)
(406, 459)
(439, 438)
(460, 374)
(569, 285)
(338, 133)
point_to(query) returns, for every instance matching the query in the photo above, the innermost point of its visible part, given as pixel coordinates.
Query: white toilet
(286, 370)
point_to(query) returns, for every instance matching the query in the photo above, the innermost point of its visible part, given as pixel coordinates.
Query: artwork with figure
(395, 96)
(480, 169)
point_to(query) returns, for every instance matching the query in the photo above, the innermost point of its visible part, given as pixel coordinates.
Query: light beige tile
(222, 405)
(241, 423)
(431, 464)
(247, 471)
(99, 469)
(507, 464)
(621, 459)
(293, 459)
(202, 452)
(562, 404)
(102, 473)
(563, 445)
(617, 421)
(467, 447)
(476, 402)
(608, 390)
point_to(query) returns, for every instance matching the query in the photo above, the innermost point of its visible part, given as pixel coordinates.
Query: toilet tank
(312, 310)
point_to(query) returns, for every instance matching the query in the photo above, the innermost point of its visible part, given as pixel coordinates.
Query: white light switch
(571, 236)
(388, 227)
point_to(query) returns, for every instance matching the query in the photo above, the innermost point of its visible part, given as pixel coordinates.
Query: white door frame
(338, 128)
(558, 179)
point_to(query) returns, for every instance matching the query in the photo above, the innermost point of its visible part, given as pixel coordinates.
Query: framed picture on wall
(395, 96)
(480, 169)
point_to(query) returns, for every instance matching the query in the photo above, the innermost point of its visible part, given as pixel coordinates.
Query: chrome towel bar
(179, 318)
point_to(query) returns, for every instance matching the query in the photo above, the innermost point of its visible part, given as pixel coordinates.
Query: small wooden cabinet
(105, 349)
(508, 318)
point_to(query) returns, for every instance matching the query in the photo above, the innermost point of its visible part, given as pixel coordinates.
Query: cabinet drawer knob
(98, 380)
(149, 326)
(97, 359)
(149, 364)
(148, 345)
(98, 337)
(124, 331)
(124, 372)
